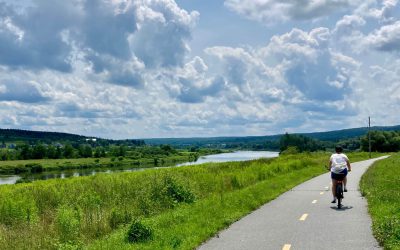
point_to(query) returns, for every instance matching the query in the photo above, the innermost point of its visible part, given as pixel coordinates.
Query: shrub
(177, 192)
(34, 167)
(291, 150)
(138, 232)
(68, 224)
(118, 217)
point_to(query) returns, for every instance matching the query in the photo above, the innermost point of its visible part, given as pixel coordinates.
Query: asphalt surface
(305, 218)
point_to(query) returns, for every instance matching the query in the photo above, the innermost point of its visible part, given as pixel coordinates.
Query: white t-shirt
(338, 162)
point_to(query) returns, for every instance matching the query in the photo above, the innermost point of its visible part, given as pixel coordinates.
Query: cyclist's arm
(348, 165)
(329, 165)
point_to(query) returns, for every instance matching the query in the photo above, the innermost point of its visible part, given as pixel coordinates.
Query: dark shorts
(339, 176)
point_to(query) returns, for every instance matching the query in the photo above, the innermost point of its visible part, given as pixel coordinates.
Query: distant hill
(265, 142)
(12, 135)
(247, 142)
(338, 135)
(27, 136)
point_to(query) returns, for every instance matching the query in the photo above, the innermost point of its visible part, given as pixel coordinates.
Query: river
(225, 157)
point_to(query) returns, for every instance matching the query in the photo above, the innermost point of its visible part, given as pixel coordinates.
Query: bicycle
(339, 192)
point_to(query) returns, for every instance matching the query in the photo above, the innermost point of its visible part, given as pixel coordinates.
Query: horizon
(197, 137)
(224, 68)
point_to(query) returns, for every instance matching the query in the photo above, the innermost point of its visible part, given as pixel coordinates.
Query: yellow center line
(314, 201)
(303, 217)
(321, 193)
(286, 247)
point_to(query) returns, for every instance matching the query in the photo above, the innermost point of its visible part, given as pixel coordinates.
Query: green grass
(182, 206)
(381, 186)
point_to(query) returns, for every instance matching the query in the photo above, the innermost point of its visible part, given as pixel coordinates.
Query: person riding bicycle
(339, 166)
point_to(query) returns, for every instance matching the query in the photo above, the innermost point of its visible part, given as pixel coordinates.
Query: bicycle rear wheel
(339, 194)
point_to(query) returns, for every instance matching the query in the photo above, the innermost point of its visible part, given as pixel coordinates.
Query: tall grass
(72, 213)
(381, 186)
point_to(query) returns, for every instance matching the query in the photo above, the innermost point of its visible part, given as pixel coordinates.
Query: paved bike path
(304, 218)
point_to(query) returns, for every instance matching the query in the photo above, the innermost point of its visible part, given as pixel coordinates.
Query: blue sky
(164, 68)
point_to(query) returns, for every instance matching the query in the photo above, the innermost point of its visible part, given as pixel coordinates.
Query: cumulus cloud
(33, 39)
(115, 40)
(163, 32)
(384, 11)
(271, 11)
(310, 65)
(192, 84)
(386, 38)
(26, 92)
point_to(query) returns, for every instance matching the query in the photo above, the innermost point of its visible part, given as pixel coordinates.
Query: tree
(39, 151)
(382, 141)
(85, 151)
(99, 152)
(51, 152)
(301, 142)
(118, 151)
(25, 152)
(68, 151)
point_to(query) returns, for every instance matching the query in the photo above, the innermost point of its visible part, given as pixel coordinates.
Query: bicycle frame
(339, 193)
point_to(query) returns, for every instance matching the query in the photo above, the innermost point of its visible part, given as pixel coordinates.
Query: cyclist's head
(338, 149)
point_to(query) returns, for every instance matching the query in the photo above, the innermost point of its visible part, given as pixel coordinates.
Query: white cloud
(115, 40)
(300, 79)
(309, 65)
(386, 38)
(384, 11)
(272, 11)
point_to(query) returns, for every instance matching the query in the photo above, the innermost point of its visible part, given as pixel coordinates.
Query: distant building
(91, 139)
(12, 146)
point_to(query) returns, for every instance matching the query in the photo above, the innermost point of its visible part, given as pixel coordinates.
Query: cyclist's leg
(334, 182)
(345, 179)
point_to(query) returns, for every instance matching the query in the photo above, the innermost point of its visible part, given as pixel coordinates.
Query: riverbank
(46, 165)
(381, 187)
(174, 203)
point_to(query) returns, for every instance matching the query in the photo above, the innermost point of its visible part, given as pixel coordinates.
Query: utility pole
(369, 135)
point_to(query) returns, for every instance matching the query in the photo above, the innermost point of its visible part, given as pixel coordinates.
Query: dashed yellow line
(321, 193)
(286, 247)
(303, 217)
(314, 201)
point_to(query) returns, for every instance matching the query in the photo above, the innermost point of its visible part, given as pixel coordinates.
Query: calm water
(235, 156)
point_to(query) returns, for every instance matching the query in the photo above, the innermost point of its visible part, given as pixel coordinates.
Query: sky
(124, 69)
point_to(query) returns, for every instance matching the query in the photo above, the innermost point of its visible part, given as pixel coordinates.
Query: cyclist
(339, 165)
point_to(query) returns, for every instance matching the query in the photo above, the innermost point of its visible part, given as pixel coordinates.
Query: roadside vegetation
(381, 186)
(153, 209)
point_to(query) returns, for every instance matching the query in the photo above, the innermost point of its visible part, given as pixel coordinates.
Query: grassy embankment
(381, 186)
(182, 206)
(43, 165)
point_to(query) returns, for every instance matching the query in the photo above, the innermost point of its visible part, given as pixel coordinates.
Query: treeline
(69, 151)
(382, 141)
(301, 143)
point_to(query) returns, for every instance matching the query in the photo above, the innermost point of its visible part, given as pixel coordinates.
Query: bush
(138, 232)
(118, 217)
(291, 150)
(34, 167)
(68, 224)
(177, 192)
